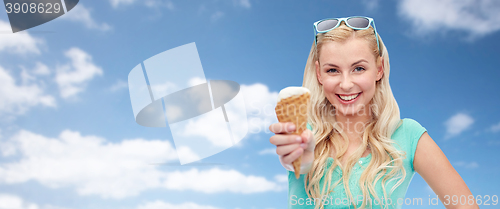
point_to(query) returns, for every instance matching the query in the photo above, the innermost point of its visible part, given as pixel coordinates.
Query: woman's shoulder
(410, 121)
(408, 132)
(411, 125)
(408, 126)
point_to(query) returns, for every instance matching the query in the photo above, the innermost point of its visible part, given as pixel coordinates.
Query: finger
(307, 136)
(279, 128)
(290, 127)
(282, 139)
(308, 139)
(286, 149)
(288, 159)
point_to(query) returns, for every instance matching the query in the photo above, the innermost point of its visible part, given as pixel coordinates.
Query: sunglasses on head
(356, 23)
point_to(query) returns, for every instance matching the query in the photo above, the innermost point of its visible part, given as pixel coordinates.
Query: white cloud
(81, 14)
(164, 205)
(476, 17)
(216, 180)
(457, 124)
(495, 128)
(72, 78)
(243, 3)
(117, 3)
(282, 178)
(34, 75)
(17, 99)
(260, 104)
(18, 43)
(26, 77)
(187, 154)
(173, 112)
(207, 126)
(41, 69)
(119, 85)
(468, 165)
(216, 16)
(196, 81)
(159, 3)
(8, 201)
(269, 151)
(149, 3)
(89, 163)
(162, 89)
(370, 5)
(93, 166)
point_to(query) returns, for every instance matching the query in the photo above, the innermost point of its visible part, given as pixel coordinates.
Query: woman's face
(348, 72)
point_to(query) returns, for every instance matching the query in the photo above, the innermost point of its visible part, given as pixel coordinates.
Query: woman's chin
(355, 110)
(347, 113)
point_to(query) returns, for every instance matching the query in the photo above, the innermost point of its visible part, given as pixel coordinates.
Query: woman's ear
(318, 75)
(380, 71)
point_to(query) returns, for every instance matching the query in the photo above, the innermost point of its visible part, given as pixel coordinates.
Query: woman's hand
(289, 147)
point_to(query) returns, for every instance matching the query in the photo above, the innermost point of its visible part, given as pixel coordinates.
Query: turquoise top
(406, 136)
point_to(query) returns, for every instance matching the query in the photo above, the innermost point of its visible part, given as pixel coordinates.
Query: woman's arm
(431, 163)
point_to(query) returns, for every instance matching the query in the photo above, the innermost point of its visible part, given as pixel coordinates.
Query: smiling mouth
(348, 98)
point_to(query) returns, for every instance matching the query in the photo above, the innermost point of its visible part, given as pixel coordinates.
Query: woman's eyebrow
(360, 61)
(331, 65)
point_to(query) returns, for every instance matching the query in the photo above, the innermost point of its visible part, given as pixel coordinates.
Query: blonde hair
(377, 134)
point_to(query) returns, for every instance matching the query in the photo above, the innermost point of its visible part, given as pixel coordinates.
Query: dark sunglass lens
(358, 22)
(326, 25)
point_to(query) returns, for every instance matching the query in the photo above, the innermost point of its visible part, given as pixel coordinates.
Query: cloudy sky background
(68, 138)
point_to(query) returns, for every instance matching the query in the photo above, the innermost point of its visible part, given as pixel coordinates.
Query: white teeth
(348, 98)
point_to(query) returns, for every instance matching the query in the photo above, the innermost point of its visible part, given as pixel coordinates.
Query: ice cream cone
(292, 107)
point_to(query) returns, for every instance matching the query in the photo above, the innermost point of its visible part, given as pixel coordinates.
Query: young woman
(357, 151)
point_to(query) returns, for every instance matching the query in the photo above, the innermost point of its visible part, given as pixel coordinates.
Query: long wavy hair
(386, 162)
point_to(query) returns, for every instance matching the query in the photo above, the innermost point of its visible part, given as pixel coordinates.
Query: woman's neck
(353, 125)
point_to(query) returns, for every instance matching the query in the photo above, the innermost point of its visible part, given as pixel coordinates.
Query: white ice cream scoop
(292, 91)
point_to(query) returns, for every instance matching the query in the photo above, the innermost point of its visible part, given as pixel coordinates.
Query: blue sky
(68, 138)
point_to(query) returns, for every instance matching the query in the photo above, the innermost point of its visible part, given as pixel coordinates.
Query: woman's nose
(346, 83)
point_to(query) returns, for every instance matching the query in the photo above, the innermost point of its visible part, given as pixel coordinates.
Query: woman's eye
(359, 69)
(331, 71)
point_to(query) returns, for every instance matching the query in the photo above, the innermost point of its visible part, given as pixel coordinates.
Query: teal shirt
(406, 136)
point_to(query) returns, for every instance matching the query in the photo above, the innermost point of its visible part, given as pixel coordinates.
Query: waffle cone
(294, 109)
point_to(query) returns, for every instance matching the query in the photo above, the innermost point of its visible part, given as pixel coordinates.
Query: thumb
(309, 139)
